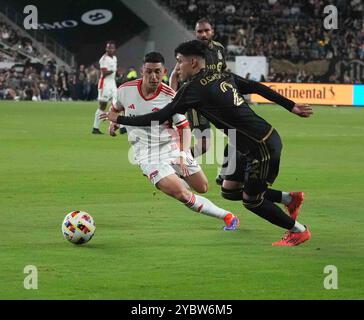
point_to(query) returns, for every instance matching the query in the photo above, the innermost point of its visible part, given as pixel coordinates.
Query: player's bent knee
(250, 204)
(232, 194)
(252, 201)
(203, 188)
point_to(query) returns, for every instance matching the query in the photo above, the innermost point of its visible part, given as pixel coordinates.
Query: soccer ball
(78, 227)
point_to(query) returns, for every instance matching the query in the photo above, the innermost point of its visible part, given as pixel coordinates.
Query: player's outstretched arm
(183, 100)
(185, 139)
(185, 146)
(246, 86)
(249, 86)
(144, 120)
(302, 110)
(115, 109)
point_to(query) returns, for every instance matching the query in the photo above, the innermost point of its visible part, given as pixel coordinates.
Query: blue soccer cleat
(233, 223)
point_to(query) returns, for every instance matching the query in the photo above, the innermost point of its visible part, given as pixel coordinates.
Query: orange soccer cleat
(295, 205)
(292, 239)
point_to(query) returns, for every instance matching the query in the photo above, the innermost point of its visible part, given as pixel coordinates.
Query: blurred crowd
(17, 48)
(28, 73)
(277, 29)
(280, 29)
(37, 82)
(302, 76)
(48, 82)
(291, 29)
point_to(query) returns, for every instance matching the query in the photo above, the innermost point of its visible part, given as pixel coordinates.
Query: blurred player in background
(215, 61)
(107, 84)
(162, 152)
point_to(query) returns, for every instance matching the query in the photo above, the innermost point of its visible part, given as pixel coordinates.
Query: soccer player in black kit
(214, 61)
(218, 97)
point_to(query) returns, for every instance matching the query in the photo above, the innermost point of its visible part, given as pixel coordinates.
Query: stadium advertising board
(255, 66)
(317, 94)
(83, 26)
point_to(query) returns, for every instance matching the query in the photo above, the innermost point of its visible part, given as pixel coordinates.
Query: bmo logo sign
(93, 17)
(96, 17)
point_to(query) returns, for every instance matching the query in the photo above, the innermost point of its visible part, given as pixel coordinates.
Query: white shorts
(158, 171)
(107, 93)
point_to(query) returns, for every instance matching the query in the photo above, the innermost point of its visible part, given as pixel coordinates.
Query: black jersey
(215, 57)
(215, 62)
(218, 97)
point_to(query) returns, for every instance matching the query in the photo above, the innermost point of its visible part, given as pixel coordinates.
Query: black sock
(226, 153)
(271, 212)
(273, 195)
(226, 160)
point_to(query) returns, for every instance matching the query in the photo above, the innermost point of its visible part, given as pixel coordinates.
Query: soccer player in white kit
(107, 85)
(162, 152)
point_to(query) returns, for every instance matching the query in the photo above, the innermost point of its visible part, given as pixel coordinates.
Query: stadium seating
(289, 33)
(280, 29)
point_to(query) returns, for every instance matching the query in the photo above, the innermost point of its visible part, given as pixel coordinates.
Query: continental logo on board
(312, 93)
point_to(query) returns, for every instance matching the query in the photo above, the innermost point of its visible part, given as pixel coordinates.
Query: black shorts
(258, 169)
(197, 121)
(234, 165)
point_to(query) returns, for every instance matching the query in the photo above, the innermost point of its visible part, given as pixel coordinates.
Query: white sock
(286, 198)
(97, 121)
(205, 206)
(298, 227)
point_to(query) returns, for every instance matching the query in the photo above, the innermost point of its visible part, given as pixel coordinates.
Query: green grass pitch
(148, 246)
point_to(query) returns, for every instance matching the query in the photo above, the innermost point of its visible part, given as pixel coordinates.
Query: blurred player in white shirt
(107, 85)
(163, 152)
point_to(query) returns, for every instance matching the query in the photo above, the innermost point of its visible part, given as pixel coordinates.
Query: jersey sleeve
(118, 104)
(223, 52)
(104, 64)
(180, 121)
(246, 86)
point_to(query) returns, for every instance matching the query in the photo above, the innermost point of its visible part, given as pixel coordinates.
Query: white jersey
(152, 144)
(108, 63)
(107, 85)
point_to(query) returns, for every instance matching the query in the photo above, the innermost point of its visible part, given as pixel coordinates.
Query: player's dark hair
(191, 48)
(204, 20)
(153, 57)
(111, 42)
